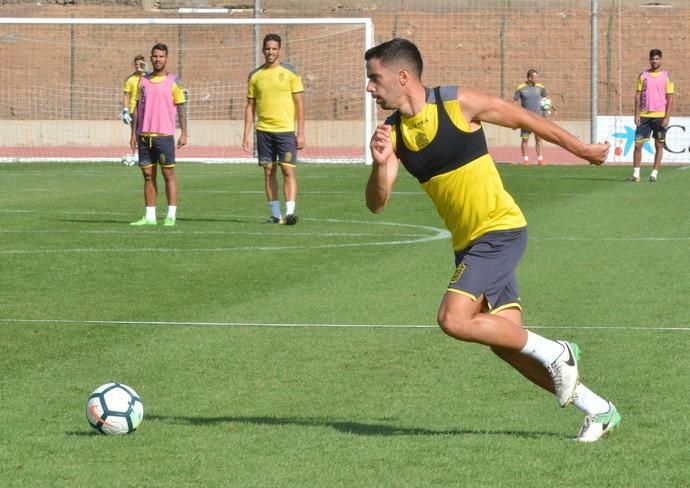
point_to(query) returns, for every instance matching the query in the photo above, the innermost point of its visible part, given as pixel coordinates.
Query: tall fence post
(595, 71)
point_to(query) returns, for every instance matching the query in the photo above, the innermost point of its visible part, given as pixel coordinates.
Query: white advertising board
(620, 132)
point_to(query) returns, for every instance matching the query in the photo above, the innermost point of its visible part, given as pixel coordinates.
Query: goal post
(62, 83)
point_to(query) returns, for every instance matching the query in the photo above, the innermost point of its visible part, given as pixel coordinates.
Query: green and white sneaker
(169, 222)
(596, 426)
(144, 221)
(564, 372)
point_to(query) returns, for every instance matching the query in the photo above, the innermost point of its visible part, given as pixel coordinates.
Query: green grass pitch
(307, 356)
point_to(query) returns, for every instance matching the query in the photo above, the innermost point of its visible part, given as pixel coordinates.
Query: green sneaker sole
(144, 222)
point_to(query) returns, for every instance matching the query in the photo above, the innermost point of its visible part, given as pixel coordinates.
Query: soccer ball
(114, 409)
(129, 160)
(545, 104)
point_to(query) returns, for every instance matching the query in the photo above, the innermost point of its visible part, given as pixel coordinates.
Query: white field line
(315, 325)
(430, 234)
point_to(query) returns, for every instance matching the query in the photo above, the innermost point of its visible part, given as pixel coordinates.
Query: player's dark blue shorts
(156, 150)
(276, 147)
(651, 125)
(487, 267)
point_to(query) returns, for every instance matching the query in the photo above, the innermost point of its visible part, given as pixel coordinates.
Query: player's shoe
(652, 179)
(564, 372)
(274, 220)
(596, 426)
(633, 179)
(144, 221)
(169, 222)
(541, 162)
(291, 219)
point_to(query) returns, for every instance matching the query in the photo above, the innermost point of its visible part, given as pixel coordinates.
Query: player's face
(383, 84)
(158, 59)
(655, 62)
(271, 51)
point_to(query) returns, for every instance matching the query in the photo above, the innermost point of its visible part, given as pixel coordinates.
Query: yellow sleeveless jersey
(272, 89)
(131, 86)
(454, 168)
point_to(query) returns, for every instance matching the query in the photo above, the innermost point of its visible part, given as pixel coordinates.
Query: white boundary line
(435, 233)
(316, 325)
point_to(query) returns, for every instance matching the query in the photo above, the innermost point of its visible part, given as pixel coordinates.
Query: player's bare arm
(133, 134)
(248, 122)
(298, 99)
(182, 141)
(384, 169)
(480, 107)
(669, 105)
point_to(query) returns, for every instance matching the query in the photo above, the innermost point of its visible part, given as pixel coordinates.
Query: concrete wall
(321, 134)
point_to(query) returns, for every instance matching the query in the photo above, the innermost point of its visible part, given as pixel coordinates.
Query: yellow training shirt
(272, 89)
(455, 169)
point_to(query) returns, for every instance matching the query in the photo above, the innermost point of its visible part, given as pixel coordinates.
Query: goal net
(63, 82)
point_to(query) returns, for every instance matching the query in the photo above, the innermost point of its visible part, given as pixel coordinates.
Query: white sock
(289, 208)
(542, 349)
(275, 209)
(526, 159)
(654, 173)
(589, 402)
(172, 211)
(150, 213)
(636, 172)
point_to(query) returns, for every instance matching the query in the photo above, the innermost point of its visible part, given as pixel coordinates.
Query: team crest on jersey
(421, 140)
(288, 157)
(458, 273)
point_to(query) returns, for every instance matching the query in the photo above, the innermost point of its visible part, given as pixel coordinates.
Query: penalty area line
(315, 325)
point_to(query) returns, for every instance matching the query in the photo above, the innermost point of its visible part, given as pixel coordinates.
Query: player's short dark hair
(531, 72)
(273, 37)
(160, 47)
(397, 50)
(139, 57)
(655, 52)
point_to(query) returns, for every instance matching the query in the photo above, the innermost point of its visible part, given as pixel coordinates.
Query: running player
(438, 137)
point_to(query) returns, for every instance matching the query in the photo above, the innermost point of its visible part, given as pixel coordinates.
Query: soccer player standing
(438, 137)
(275, 96)
(529, 95)
(160, 99)
(653, 102)
(131, 88)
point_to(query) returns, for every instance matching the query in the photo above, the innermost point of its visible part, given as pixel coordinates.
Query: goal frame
(366, 22)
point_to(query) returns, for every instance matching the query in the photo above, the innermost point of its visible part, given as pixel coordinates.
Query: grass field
(307, 356)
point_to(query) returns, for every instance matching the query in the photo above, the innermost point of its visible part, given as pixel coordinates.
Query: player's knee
(455, 325)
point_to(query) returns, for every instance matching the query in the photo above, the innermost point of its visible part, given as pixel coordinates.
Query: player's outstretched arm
(480, 107)
(384, 169)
